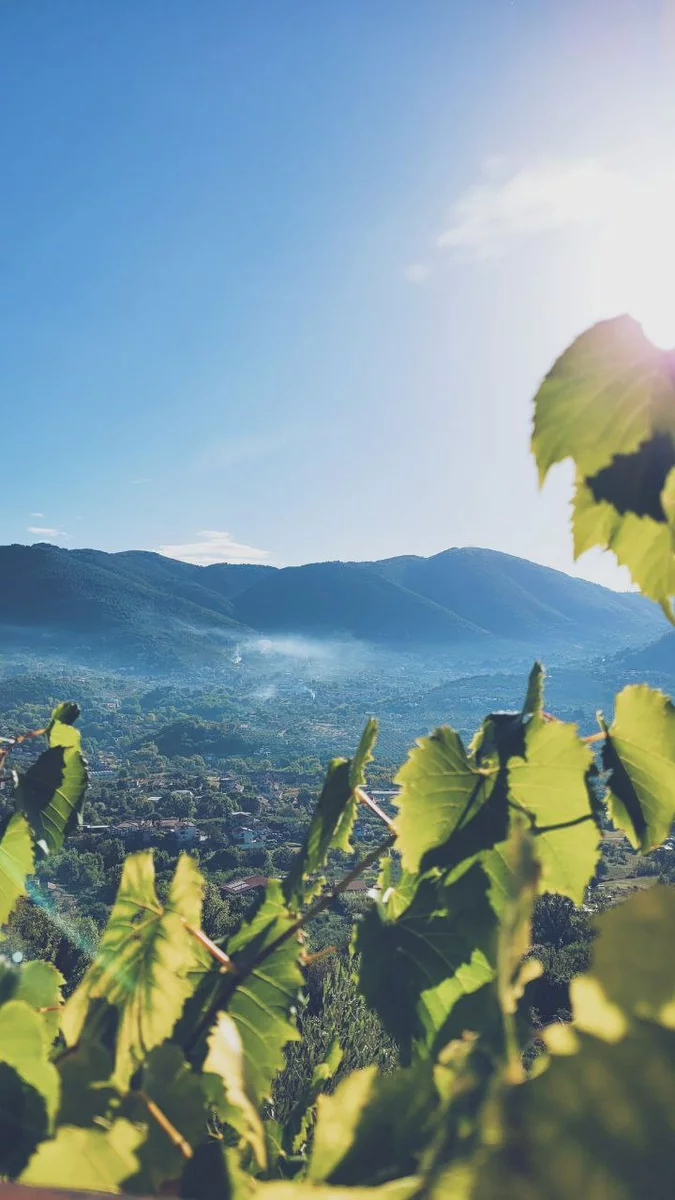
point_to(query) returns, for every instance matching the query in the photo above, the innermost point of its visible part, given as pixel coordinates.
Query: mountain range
(147, 610)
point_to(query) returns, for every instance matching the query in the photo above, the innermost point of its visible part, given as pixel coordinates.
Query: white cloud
(213, 546)
(551, 195)
(417, 272)
(38, 515)
(43, 531)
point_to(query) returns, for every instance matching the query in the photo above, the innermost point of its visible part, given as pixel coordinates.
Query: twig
(214, 951)
(374, 807)
(164, 1123)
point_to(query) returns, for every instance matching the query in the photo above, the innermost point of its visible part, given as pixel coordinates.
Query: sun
(635, 268)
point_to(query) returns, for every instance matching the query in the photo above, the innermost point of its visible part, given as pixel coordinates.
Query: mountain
(142, 609)
(514, 598)
(346, 598)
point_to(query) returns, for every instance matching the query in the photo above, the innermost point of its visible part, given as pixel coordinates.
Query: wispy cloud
(40, 516)
(551, 195)
(214, 546)
(417, 272)
(44, 531)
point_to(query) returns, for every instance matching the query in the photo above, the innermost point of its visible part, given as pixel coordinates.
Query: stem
(373, 806)
(165, 1124)
(594, 737)
(215, 951)
(321, 904)
(539, 829)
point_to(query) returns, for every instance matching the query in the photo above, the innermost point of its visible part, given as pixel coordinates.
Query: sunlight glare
(636, 260)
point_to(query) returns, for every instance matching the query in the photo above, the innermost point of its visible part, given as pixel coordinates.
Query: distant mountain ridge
(150, 610)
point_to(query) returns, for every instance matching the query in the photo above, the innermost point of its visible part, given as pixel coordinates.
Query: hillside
(345, 598)
(514, 598)
(140, 609)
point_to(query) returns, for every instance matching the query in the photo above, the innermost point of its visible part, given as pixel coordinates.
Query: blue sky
(280, 279)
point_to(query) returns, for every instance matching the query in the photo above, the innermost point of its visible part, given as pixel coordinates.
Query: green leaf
(86, 1091)
(225, 1059)
(534, 697)
(603, 397)
(263, 1000)
(374, 1128)
(414, 966)
(51, 792)
(608, 403)
(86, 1159)
(24, 1045)
(550, 783)
(66, 712)
(597, 1124)
(640, 753)
(398, 1189)
(181, 1096)
(632, 968)
(23, 1121)
(144, 961)
(39, 984)
(441, 792)
(333, 818)
(16, 862)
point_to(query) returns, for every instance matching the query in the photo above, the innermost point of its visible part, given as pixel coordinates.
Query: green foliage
(144, 961)
(486, 1042)
(51, 792)
(16, 862)
(609, 404)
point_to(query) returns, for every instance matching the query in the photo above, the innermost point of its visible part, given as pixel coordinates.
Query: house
(243, 835)
(237, 886)
(186, 833)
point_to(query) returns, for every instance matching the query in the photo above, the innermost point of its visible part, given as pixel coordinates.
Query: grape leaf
(51, 792)
(16, 862)
(225, 1059)
(86, 1159)
(332, 820)
(608, 404)
(24, 1045)
(598, 1123)
(86, 1092)
(398, 1189)
(181, 1096)
(550, 783)
(23, 1121)
(441, 791)
(603, 397)
(264, 995)
(143, 962)
(39, 984)
(639, 750)
(374, 1127)
(414, 966)
(632, 967)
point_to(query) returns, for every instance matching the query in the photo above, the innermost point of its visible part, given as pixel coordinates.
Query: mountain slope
(141, 609)
(517, 599)
(342, 598)
(86, 601)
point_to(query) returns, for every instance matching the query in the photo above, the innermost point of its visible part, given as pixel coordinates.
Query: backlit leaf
(24, 1045)
(599, 1123)
(225, 1059)
(16, 862)
(550, 784)
(414, 966)
(51, 792)
(262, 1002)
(96, 1160)
(143, 962)
(640, 753)
(333, 818)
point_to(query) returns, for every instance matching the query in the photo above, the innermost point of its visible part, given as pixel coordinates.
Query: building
(243, 835)
(238, 886)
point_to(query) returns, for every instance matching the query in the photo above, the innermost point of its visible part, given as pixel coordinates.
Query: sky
(279, 279)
